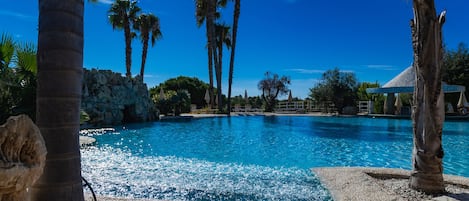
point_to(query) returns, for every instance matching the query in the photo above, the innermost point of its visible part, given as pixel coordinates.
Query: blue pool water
(252, 158)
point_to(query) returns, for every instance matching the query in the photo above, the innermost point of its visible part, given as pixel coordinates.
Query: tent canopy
(405, 82)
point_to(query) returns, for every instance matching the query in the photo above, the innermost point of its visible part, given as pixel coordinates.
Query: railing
(365, 107)
(304, 106)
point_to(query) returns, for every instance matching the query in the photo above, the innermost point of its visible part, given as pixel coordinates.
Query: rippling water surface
(251, 158)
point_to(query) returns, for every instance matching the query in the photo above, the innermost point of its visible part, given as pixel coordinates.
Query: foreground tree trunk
(428, 112)
(60, 70)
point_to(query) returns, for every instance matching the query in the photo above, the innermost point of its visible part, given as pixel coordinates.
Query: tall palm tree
(149, 27)
(222, 38)
(237, 9)
(121, 15)
(206, 11)
(429, 112)
(60, 70)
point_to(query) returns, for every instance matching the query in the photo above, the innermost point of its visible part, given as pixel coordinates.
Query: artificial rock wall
(111, 99)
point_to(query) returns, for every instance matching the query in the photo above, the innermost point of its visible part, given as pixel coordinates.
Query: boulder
(111, 99)
(23, 155)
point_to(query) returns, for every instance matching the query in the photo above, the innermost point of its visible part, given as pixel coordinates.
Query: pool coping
(356, 184)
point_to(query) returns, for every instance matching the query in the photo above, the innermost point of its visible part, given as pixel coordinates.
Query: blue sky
(297, 38)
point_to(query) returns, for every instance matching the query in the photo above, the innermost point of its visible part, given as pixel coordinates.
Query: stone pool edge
(356, 184)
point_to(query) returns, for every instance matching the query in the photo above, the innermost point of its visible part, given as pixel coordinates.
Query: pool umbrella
(207, 97)
(290, 98)
(246, 96)
(462, 100)
(162, 94)
(398, 104)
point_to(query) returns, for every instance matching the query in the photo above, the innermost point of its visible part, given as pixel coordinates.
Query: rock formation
(111, 99)
(22, 157)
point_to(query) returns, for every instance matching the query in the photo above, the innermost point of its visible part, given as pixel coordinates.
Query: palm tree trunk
(211, 31)
(60, 71)
(428, 113)
(233, 46)
(128, 47)
(210, 64)
(144, 56)
(218, 72)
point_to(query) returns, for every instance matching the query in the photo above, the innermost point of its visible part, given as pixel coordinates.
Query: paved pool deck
(359, 184)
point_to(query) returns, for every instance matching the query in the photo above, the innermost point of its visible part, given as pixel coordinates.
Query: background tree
(149, 27)
(272, 86)
(378, 99)
(322, 95)
(456, 70)
(195, 87)
(234, 33)
(122, 15)
(175, 102)
(338, 87)
(7, 77)
(17, 78)
(59, 75)
(429, 110)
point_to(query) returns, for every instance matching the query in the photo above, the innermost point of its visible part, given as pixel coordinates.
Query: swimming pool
(252, 158)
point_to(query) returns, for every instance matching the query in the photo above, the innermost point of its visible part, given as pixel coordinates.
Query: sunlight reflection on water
(251, 158)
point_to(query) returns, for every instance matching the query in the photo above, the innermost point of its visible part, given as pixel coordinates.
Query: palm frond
(25, 59)
(7, 50)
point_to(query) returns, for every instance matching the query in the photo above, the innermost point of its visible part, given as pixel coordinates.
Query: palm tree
(234, 33)
(222, 37)
(429, 112)
(26, 74)
(148, 25)
(7, 50)
(60, 70)
(206, 11)
(121, 15)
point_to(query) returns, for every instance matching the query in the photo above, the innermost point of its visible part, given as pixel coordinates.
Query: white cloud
(106, 1)
(16, 15)
(381, 67)
(347, 71)
(150, 76)
(305, 71)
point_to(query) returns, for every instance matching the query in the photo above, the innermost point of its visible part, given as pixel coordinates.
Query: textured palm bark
(428, 112)
(60, 72)
(22, 157)
(128, 47)
(144, 52)
(210, 23)
(210, 46)
(237, 9)
(218, 73)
